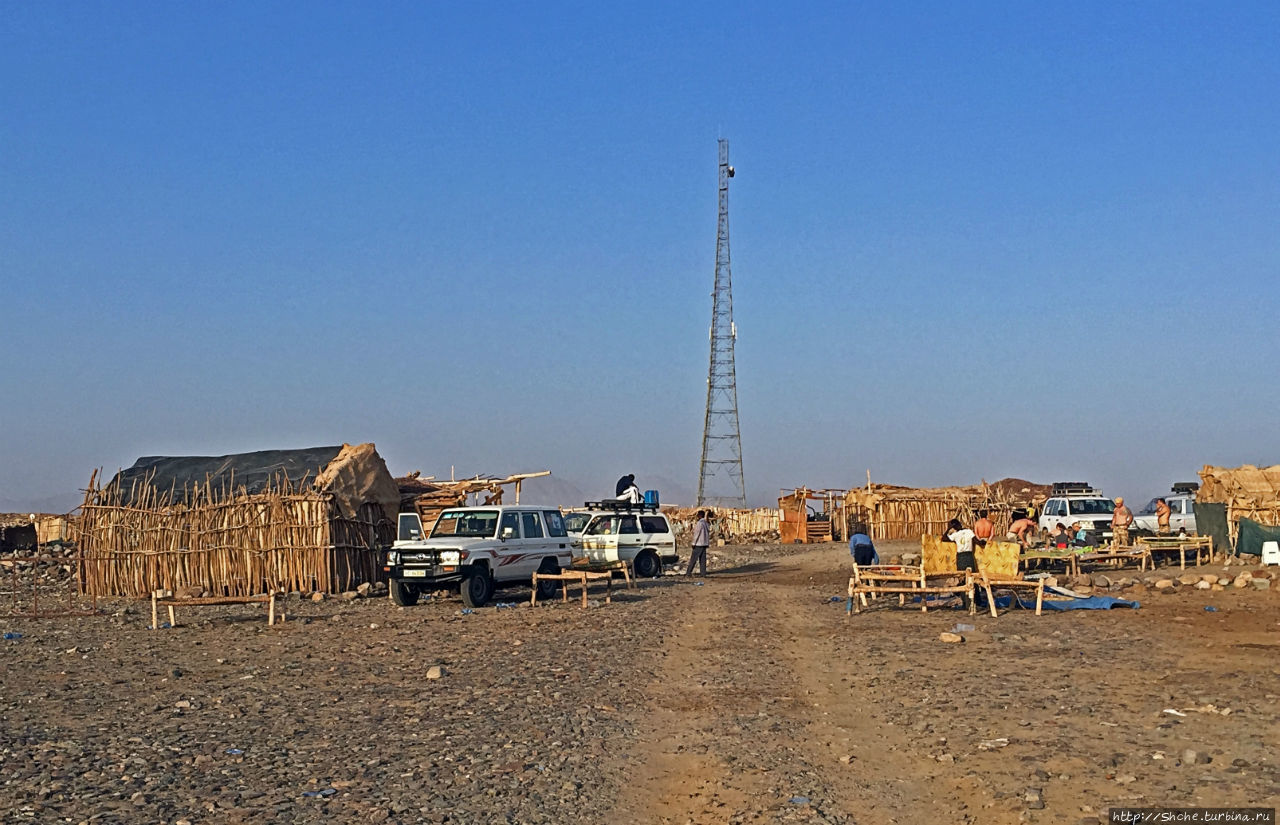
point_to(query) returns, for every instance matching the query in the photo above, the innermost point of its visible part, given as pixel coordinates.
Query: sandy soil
(751, 697)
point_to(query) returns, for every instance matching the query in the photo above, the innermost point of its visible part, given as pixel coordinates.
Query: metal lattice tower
(720, 481)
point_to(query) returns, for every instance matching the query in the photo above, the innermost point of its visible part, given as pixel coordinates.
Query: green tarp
(1252, 535)
(1211, 520)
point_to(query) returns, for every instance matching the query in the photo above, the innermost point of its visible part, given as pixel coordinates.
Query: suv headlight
(393, 557)
(450, 557)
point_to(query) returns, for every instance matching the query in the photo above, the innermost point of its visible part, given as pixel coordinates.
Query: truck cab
(475, 550)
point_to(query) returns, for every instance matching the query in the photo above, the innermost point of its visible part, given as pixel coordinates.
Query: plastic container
(651, 497)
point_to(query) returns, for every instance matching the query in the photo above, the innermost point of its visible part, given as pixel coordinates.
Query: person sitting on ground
(983, 529)
(1060, 537)
(1081, 534)
(861, 547)
(1022, 531)
(963, 538)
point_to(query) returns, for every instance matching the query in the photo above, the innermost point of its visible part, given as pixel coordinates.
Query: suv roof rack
(1069, 488)
(620, 505)
(1186, 487)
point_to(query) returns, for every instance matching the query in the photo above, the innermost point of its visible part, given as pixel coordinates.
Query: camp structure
(1239, 506)
(800, 522)
(17, 532)
(892, 512)
(428, 496)
(237, 525)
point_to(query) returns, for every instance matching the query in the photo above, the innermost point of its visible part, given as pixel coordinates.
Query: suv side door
(536, 543)
(630, 539)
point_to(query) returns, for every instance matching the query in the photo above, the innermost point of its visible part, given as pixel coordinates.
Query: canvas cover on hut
(310, 519)
(892, 512)
(1246, 493)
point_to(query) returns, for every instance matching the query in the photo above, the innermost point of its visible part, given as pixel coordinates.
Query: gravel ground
(747, 697)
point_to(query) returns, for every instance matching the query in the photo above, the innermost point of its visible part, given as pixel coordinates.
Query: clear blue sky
(973, 242)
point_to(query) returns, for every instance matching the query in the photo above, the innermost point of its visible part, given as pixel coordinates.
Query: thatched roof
(1247, 485)
(1013, 490)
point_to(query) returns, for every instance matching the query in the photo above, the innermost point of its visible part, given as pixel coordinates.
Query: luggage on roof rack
(1188, 487)
(621, 505)
(1074, 488)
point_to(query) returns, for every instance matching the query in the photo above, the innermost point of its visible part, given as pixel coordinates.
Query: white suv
(1182, 511)
(475, 549)
(637, 533)
(1072, 502)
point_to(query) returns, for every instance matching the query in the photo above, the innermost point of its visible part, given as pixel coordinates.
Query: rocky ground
(747, 698)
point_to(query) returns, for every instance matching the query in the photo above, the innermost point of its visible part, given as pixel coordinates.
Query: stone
(1261, 584)
(846, 759)
(1203, 585)
(1195, 757)
(950, 638)
(946, 759)
(1242, 581)
(1084, 589)
(364, 589)
(435, 672)
(1083, 580)
(1164, 585)
(1034, 797)
(1126, 779)
(1101, 580)
(1050, 581)
(182, 704)
(1218, 587)
(1188, 579)
(317, 596)
(1211, 578)
(350, 596)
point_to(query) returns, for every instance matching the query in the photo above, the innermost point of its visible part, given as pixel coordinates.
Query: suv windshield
(476, 524)
(1091, 506)
(574, 522)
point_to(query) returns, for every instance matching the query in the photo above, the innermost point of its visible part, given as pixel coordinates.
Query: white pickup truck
(476, 549)
(1182, 511)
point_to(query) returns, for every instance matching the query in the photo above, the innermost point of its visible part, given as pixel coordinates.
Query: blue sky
(968, 242)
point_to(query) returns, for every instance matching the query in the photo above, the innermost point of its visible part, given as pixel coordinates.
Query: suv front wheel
(477, 588)
(403, 594)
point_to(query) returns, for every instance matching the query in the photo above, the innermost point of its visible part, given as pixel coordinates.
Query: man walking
(1121, 518)
(701, 540)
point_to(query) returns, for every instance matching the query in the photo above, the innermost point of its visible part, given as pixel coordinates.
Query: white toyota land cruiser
(1074, 501)
(475, 549)
(619, 531)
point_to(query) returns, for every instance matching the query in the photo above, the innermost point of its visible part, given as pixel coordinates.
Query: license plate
(415, 574)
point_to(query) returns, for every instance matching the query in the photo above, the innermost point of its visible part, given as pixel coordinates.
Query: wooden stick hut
(1230, 495)
(892, 512)
(238, 525)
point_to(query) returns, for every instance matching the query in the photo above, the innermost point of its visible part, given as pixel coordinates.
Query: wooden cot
(998, 567)
(876, 579)
(1180, 545)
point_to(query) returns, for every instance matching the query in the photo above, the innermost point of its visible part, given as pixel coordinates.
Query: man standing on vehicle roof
(701, 540)
(1121, 518)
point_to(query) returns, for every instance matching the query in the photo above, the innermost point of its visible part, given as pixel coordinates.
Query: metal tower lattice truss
(720, 481)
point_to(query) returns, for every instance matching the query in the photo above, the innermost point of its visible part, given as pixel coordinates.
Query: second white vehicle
(617, 531)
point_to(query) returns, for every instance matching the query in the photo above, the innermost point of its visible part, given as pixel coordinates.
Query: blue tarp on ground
(1090, 603)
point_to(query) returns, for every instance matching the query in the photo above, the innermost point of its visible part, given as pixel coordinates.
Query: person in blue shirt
(861, 547)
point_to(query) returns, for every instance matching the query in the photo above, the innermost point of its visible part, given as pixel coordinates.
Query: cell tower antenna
(720, 481)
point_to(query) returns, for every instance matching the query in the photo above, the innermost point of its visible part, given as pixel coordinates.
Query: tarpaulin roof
(354, 474)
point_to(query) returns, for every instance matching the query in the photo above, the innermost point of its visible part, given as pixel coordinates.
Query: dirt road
(749, 698)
